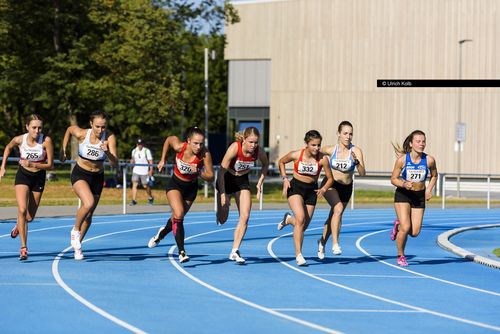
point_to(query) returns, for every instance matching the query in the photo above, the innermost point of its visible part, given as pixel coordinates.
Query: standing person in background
(344, 158)
(232, 179)
(37, 156)
(409, 175)
(87, 176)
(302, 191)
(192, 160)
(141, 155)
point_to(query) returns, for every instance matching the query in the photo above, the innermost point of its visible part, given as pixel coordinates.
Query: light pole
(206, 105)
(460, 127)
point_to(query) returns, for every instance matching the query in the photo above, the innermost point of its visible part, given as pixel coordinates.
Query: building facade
(297, 65)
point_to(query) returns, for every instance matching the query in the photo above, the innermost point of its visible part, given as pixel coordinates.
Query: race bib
(415, 175)
(307, 169)
(342, 165)
(240, 166)
(92, 152)
(186, 168)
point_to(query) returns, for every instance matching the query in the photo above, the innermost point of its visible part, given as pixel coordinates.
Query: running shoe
(395, 229)
(78, 254)
(235, 256)
(23, 254)
(283, 223)
(300, 260)
(402, 261)
(321, 250)
(14, 232)
(183, 257)
(75, 239)
(151, 201)
(132, 203)
(154, 241)
(336, 250)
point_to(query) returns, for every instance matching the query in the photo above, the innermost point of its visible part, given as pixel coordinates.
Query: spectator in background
(141, 155)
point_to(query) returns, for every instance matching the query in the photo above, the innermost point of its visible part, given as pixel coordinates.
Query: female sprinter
(344, 158)
(87, 177)
(37, 156)
(302, 191)
(232, 179)
(182, 189)
(409, 175)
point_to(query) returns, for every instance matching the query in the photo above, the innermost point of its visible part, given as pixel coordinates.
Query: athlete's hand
(428, 195)
(286, 185)
(259, 190)
(222, 199)
(62, 156)
(408, 185)
(104, 146)
(320, 193)
(160, 165)
(194, 168)
(2, 173)
(25, 163)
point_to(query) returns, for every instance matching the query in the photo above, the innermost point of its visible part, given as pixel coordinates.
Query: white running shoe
(300, 260)
(321, 250)
(283, 223)
(235, 256)
(78, 254)
(75, 240)
(183, 257)
(336, 250)
(154, 241)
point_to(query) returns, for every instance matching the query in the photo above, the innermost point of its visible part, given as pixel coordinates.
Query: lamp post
(460, 127)
(206, 105)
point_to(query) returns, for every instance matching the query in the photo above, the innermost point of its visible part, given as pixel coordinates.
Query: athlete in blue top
(409, 175)
(344, 159)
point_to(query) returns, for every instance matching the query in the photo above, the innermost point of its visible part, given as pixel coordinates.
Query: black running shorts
(95, 180)
(306, 190)
(34, 180)
(188, 190)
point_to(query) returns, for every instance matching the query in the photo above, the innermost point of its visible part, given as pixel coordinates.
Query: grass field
(497, 252)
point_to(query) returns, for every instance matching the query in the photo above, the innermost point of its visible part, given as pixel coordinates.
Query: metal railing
(446, 181)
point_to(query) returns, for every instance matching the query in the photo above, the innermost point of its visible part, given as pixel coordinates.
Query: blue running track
(122, 286)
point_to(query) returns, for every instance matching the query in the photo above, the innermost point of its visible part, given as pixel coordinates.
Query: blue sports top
(342, 165)
(415, 172)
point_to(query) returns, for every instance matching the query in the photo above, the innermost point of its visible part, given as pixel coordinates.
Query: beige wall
(326, 56)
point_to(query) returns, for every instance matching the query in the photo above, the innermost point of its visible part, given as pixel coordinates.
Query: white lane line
(371, 295)
(346, 310)
(372, 276)
(358, 245)
(71, 292)
(236, 298)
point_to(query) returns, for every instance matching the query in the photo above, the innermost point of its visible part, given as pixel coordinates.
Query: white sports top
(92, 152)
(33, 153)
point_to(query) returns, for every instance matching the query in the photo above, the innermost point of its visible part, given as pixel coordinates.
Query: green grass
(497, 252)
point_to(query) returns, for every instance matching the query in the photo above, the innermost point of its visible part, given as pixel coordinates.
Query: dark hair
(251, 130)
(32, 117)
(194, 130)
(98, 114)
(406, 144)
(312, 134)
(344, 123)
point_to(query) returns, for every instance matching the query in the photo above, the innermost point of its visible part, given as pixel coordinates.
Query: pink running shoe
(402, 261)
(394, 231)
(14, 233)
